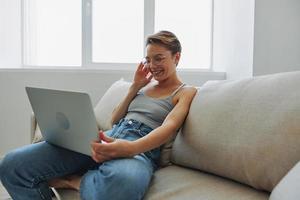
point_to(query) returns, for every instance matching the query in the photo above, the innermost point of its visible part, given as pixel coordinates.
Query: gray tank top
(150, 111)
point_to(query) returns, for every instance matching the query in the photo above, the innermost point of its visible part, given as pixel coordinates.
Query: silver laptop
(66, 118)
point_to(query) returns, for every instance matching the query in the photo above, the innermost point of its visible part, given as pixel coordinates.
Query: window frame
(86, 60)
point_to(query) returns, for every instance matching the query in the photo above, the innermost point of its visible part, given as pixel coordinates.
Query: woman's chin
(157, 78)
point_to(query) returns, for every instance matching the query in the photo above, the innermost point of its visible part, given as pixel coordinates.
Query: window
(191, 21)
(107, 34)
(117, 32)
(52, 32)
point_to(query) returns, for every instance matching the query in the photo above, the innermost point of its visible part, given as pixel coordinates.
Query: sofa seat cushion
(177, 183)
(64, 194)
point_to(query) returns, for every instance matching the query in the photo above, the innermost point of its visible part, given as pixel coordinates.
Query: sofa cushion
(111, 98)
(66, 194)
(247, 130)
(37, 137)
(177, 183)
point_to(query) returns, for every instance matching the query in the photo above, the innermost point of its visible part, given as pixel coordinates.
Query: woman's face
(161, 62)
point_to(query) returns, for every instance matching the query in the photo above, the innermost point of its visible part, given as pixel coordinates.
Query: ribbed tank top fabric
(150, 111)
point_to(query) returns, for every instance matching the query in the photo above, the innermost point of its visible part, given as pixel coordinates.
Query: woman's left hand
(142, 75)
(111, 148)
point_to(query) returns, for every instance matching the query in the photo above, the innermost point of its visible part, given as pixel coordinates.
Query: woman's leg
(118, 179)
(24, 172)
(67, 182)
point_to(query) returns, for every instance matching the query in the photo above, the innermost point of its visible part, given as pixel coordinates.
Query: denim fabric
(131, 129)
(24, 172)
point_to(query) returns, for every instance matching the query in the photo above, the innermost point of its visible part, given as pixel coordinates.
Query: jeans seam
(41, 194)
(38, 179)
(42, 178)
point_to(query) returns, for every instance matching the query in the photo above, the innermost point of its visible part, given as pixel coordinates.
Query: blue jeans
(25, 172)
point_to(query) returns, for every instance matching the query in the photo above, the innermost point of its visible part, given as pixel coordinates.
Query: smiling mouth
(157, 73)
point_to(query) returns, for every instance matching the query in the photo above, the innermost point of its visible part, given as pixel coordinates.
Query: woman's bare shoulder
(189, 90)
(186, 93)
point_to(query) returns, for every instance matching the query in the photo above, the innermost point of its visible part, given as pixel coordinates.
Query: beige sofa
(240, 141)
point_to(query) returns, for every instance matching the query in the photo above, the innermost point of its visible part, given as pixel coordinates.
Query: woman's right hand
(111, 148)
(141, 77)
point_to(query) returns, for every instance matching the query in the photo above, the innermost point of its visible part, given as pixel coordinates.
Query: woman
(122, 166)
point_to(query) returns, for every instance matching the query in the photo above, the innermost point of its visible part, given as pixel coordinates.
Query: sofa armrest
(33, 124)
(288, 187)
(36, 135)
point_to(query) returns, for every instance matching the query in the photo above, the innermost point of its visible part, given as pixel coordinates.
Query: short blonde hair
(166, 39)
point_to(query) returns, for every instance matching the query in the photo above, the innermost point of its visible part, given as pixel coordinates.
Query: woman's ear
(177, 58)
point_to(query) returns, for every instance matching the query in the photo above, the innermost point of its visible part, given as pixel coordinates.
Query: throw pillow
(111, 98)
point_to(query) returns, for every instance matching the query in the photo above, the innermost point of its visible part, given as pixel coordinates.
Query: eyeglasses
(157, 60)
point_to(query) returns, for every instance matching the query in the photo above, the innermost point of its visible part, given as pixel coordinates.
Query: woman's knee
(17, 162)
(130, 172)
(118, 179)
(10, 163)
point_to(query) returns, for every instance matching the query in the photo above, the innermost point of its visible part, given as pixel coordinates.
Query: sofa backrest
(247, 130)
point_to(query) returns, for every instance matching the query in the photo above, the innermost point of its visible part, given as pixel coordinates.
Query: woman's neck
(169, 82)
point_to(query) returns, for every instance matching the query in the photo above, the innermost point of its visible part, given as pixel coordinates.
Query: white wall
(15, 109)
(10, 33)
(256, 37)
(233, 37)
(277, 36)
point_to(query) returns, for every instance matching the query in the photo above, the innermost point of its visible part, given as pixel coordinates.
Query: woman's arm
(159, 136)
(140, 80)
